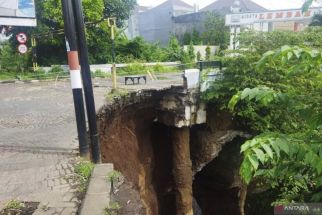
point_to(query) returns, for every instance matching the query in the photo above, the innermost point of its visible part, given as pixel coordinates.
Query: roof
(177, 3)
(225, 5)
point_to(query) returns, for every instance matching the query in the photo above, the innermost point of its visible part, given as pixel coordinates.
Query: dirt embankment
(142, 149)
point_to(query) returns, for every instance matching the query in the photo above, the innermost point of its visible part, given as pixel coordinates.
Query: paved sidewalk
(38, 176)
(38, 145)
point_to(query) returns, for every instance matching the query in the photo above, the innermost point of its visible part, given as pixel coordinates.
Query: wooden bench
(135, 79)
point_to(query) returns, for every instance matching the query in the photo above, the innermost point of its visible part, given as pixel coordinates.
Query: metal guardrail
(210, 64)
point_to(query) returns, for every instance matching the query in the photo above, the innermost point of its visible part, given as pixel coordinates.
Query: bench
(135, 77)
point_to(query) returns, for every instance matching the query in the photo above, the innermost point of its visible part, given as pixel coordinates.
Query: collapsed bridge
(181, 154)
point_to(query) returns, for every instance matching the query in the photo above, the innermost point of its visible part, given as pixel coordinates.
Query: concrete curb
(97, 197)
(30, 81)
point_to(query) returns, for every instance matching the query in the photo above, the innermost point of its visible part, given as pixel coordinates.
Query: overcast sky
(269, 4)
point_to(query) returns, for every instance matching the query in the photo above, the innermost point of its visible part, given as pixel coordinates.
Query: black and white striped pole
(75, 75)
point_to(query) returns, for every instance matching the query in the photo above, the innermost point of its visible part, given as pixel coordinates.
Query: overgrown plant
(14, 204)
(114, 177)
(113, 208)
(83, 171)
(278, 98)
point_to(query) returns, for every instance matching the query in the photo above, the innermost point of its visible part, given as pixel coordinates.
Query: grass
(14, 204)
(38, 75)
(58, 72)
(100, 74)
(83, 171)
(116, 94)
(139, 69)
(114, 177)
(112, 209)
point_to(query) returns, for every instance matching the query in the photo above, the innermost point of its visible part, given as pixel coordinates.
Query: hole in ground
(216, 186)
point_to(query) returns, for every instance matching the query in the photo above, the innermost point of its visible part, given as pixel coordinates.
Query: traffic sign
(22, 38)
(22, 48)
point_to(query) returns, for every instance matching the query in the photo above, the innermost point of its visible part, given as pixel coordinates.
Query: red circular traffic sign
(22, 48)
(22, 38)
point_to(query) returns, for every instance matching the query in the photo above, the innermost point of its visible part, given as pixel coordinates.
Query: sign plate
(22, 38)
(22, 48)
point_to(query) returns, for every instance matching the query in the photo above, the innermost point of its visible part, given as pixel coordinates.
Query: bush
(133, 69)
(12, 61)
(100, 74)
(56, 69)
(83, 171)
(158, 68)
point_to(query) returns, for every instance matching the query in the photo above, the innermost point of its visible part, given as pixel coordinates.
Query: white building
(289, 20)
(177, 17)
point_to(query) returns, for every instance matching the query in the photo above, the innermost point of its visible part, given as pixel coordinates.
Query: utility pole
(87, 80)
(112, 24)
(75, 75)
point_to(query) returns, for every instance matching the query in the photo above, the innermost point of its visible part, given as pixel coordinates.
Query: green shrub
(14, 204)
(12, 61)
(133, 69)
(100, 74)
(83, 171)
(113, 208)
(158, 68)
(56, 69)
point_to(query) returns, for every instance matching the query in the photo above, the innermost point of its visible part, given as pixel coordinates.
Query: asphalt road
(39, 115)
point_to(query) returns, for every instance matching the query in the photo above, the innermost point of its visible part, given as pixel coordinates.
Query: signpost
(22, 39)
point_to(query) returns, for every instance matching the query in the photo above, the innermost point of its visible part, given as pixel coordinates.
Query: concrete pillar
(182, 170)
(234, 33)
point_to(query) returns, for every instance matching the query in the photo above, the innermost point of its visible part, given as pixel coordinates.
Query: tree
(208, 52)
(261, 42)
(216, 33)
(193, 36)
(277, 97)
(316, 20)
(198, 56)
(50, 28)
(119, 8)
(11, 61)
(191, 52)
(174, 50)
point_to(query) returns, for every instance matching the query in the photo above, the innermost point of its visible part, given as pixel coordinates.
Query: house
(266, 21)
(156, 24)
(175, 17)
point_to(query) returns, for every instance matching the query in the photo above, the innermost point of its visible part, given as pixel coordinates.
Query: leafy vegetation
(50, 29)
(118, 93)
(83, 171)
(114, 177)
(14, 204)
(277, 97)
(261, 42)
(216, 33)
(113, 208)
(11, 60)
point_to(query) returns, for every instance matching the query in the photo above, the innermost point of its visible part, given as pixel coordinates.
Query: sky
(269, 4)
